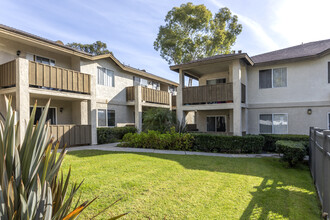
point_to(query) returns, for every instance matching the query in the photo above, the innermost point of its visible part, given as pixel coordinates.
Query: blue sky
(129, 27)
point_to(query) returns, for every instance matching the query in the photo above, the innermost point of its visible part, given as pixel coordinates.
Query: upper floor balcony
(44, 76)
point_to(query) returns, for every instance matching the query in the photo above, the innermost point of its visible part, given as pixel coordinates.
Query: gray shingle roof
(299, 51)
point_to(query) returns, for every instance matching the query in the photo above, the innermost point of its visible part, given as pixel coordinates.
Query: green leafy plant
(159, 119)
(270, 140)
(111, 135)
(293, 151)
(30, 184)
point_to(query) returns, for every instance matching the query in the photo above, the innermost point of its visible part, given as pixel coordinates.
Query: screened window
(51, 115)
(328, 72)
(106, 118)
(140, 82)
(215, 81)
(273, 78)
(273, 123)
(216, 123)
(105, 77)
(45, 60)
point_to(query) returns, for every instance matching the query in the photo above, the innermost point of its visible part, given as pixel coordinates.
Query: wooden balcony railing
(155, 96)
(71, 135)
(8, 74)
(173, 100)
(149, 95)
(45, 76)
(243, 93)
(219, 93)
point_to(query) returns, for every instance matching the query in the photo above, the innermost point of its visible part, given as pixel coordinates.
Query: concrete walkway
(113, 147)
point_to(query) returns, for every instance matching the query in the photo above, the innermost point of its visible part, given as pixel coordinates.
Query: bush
(228, 144)
(156, 140)
(111, 135)
(270, 140)
(293, 151)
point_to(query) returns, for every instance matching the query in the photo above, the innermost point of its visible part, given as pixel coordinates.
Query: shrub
(293, 151)
(158, 119)
(156, 140)
(111, 135)
(228, 144)
(270, 140)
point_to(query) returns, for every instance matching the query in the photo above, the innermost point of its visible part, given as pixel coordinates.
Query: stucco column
(22, 95)
(179, 111)
(93, 110)
(237, 111)
(170, 100)
(138, 108)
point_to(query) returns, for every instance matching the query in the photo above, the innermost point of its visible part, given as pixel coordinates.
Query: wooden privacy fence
(208, 94)
(173, 100)
(42, 75)
(8, 74)
(155, 96)
(319, 163)
(71, 135)
(130, 93)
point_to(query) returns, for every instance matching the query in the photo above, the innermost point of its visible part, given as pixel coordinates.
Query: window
(328, 72)
(45, 60)
(105, 77)
(329, 121)
(273, 78)
(215, 81)
(106, 118)
(51, 115)
(137, 81)
(216, 123)
(273, 123)
(172, 90)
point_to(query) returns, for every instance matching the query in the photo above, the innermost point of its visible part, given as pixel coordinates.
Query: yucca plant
(30, 184)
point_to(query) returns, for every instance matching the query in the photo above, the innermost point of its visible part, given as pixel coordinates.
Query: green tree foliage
(192, 32)
(159, 119)
(97, 48)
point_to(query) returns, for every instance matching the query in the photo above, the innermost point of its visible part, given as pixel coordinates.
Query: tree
(191, 32)
(159, 119)
(97, 48)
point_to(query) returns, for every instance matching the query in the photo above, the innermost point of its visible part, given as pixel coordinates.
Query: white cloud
(263, 38)
(300, 21)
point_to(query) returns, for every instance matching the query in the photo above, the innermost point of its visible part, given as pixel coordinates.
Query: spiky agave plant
(30, 185)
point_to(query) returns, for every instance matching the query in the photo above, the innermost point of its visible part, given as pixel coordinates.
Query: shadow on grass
(270, 197)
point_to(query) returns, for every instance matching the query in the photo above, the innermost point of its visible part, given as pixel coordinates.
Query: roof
(213, 59)
(303, 51)
(52, 44)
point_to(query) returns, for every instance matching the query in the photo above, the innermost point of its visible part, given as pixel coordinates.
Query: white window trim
(37, 55)
(42, 107)
(215, 122)
(328, 124)
(287, 116)
(113, 85)
(273, 77)
(106, 118)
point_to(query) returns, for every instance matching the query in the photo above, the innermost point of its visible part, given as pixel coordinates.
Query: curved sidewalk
(113, 147)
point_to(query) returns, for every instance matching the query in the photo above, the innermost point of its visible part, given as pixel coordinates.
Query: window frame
(106, 118)
(105, 73)
(328, 118)
(35, 59)
(215, 121)
(287, 127)
(216, 80)
(272, 77)
(42, 109)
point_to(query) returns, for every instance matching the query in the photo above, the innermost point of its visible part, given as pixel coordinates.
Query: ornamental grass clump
(30, 184)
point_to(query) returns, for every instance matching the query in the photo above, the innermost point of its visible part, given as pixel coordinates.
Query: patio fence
(319, 163)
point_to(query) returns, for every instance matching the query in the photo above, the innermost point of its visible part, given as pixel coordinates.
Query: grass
(158, 186)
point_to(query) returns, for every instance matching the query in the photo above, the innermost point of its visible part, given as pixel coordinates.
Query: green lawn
(158, 186)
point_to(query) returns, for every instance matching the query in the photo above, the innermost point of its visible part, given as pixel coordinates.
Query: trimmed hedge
(228, 144)
(293, 151)
(270, 140)
(156, 140)
(195, 142)
(111, 135)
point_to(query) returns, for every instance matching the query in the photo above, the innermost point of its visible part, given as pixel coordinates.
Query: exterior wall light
(309, 111)
(61, 109)
(18, 53)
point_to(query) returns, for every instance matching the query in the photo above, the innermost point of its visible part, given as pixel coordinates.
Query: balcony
(210, 94)
(149, 95)
(57, 78)
(8, 74)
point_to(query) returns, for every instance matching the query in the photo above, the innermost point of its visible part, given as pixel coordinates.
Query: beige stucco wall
(123, 113)
(217, 75)
(307, 81)
(298, 119)
(190, 117)
(9, 48)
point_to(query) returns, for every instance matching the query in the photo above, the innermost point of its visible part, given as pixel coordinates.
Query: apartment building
(281, 92)
(86, 91)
